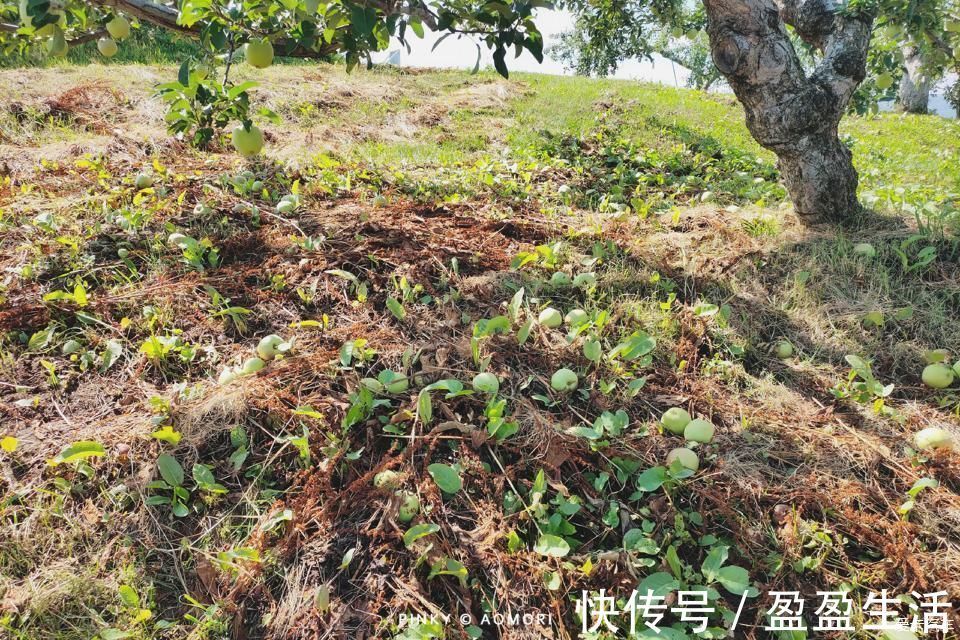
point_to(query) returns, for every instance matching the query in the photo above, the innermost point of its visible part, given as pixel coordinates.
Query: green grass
(146, 45)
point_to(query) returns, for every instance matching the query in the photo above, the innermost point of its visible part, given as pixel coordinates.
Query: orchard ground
(427, 201)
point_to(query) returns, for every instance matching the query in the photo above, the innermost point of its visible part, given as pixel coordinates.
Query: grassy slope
(671, 203)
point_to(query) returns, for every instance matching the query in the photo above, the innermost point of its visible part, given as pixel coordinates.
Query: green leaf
(40, 339)
(111, 354)
(203, 475)
(551, 580)
(921, 484)
(652, 479)
(170, 470)
(80, 295)
(419, 531)
(551, 545)
(183, 76)
(673, 561)
(513, 309)
(79, 451)
(499, 61)
(638, 344)
(396, 308)
(417, 26)
(713, 562)
(514, 543)
(523, 334)
(660, 583)
(168, 434)
(592, 350)
(235, 92)
(425, 407)
(735, 579)
(129, 596)
(637, 540)
(585, 432)
(449, 567)
(705, 310)
(446, 477)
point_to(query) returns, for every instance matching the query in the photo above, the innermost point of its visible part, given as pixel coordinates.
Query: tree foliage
(201, 104)
(607, 32)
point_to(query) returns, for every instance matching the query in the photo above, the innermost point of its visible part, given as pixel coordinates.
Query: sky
(462, 54)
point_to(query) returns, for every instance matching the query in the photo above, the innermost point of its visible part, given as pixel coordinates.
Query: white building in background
(454, 53)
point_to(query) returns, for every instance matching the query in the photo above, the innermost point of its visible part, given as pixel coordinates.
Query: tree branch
(152, 12)
(86, 37)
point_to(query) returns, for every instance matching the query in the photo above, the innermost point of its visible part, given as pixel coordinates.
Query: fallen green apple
(252, 365)
(698, 430)
(271, 346)
(409, 506)
(784, 349)
(143, 181)
(686, 457)
(865, 249)
(387, 479)
(576, 317)
(675, 420)
(933, 438)
(564, 380)
(550, 318)
(486, 383)
(938, 376)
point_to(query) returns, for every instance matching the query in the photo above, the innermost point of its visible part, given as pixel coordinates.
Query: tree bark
(914, 95)
(794, 115)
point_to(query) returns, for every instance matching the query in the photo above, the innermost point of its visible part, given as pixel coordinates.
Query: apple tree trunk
(791, 113)
(914, 94)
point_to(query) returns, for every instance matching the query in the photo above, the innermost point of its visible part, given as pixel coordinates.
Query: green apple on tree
(119, 28)
(107, 47)
(57, 45)
(260, 53)
(247, 140)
